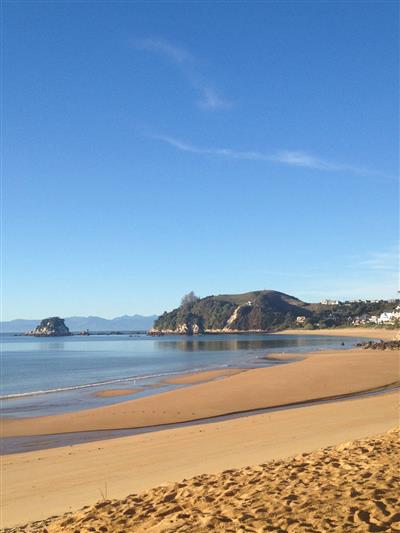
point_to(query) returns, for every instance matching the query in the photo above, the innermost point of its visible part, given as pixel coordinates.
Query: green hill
(262, 311)
(251, 311)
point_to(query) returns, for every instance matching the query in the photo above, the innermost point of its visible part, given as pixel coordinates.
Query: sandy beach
(65, 479)
(367, 332)
(319, 375)
(350, 487)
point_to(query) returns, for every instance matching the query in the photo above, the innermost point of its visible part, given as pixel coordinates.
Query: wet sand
(110, 393)
(43, 483)
(202, 377)
(319, 375)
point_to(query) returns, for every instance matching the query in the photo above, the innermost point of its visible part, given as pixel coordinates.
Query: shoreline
(45, 442)
(316, 376)
(179, 377)
(68, 478)
(349, 331)
(384, 334)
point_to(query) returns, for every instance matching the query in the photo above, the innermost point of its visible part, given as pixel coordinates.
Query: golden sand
(385, 334)
(319, 375)
(50, 482)
(351, 487)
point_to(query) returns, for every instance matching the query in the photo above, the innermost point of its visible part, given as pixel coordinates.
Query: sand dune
(353, 487)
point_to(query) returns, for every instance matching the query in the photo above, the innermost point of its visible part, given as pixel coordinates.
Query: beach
(67, 478)
(317, 376)
(342, 488)
(368, 332)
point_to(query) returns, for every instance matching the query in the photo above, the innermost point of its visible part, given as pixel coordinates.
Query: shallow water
(51, 375)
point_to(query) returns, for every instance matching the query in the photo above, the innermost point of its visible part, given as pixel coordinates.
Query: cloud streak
(172, 52)
(209, 97)
(284, 157)
(386, 260)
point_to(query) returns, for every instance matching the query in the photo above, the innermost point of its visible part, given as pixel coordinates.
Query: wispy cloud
(285, 157)
(174, 53)
(212, 100)
(209, 97)
(386, 260)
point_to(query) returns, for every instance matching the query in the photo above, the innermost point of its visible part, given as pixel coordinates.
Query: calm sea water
(49, 375)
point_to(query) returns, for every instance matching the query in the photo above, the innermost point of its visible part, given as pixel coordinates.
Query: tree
(189, 298)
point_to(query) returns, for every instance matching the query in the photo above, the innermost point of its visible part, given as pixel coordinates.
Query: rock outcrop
(380, 345)
(50, 327)
(181, 329)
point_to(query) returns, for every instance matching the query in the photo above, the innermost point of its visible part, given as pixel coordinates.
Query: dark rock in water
(380, 345)
(50, 327)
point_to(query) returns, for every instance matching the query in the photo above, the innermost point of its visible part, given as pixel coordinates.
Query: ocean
(41, 376)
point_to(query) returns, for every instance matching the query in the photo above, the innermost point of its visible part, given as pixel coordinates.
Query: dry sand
(353, 487)
(320, 375)
(109, 393)
(342, 489)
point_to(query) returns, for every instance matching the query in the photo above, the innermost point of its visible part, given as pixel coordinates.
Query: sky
(154, 148)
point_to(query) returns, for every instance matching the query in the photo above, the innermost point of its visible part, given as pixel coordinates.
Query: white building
(388, 318)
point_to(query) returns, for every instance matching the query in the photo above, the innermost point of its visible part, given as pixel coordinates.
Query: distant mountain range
(92, 323)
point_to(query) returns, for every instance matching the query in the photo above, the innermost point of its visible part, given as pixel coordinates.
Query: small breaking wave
(103, 383)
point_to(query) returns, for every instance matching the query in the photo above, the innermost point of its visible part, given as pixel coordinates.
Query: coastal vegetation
(266, 310)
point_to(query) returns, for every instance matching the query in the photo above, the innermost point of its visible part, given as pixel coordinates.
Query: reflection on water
(190, 344)
(45, 376)
(58, 346)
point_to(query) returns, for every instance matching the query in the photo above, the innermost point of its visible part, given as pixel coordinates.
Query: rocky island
(50, 327)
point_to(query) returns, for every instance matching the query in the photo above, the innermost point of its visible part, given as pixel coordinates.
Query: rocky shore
(380, 345)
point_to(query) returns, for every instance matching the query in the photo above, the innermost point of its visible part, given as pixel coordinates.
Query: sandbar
(319, 375)
(48, 482)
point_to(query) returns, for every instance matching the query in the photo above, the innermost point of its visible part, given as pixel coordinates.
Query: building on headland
(300, 319)
(330, 302)
(388, 318)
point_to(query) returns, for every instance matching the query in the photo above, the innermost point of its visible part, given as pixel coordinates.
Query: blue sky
(154, 148)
